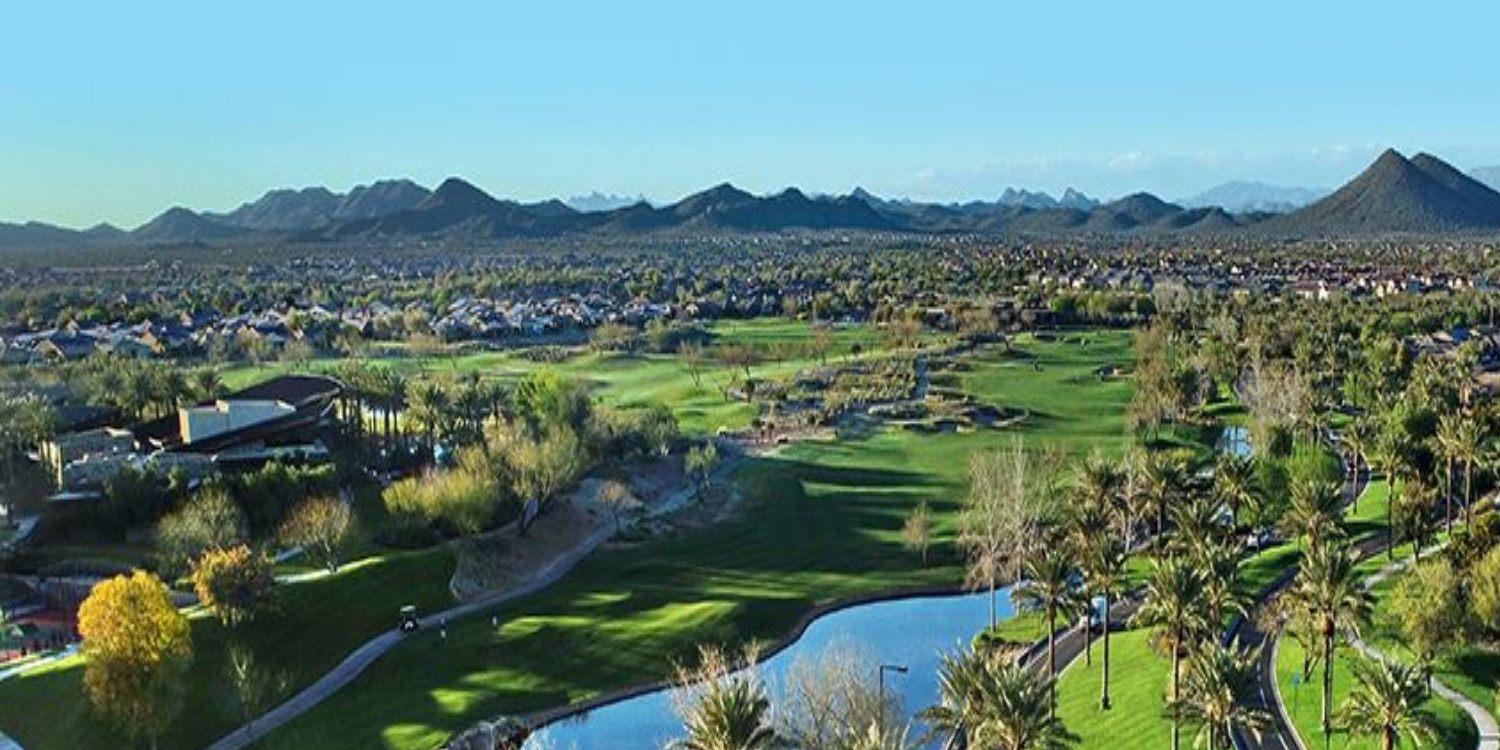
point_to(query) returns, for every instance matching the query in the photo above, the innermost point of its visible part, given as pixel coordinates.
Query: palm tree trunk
(1468, 490)
(1052, 660)
(1104, 696)
(1088, 630)
(1176, 704)
(1327, 680)
(1448, 494)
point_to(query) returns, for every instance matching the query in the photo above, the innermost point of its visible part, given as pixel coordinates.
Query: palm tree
(1163, 480)
(1198, 525)
(994, 704)
(726, 712)
(1392, 451)
(1448, 444)
(1089, 524)
(1315, 512)
(1104, 569)
(1219, 693)
(1174, 606)
(1220, 566)
(1387, 704)
(1234, 483)
(1328, 590)
(1359, 438)
(1471, 450)
(1049, 587)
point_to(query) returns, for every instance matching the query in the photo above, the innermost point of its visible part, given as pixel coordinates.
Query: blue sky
(114, 110)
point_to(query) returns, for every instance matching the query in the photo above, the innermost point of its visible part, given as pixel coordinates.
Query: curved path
(362, 657)
(1484, 721)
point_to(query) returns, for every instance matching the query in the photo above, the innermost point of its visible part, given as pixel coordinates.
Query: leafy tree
(320, 526)
(234, 582)
(138, 648)
(617, 497)
(1484, 591)
(1428, 603)
(833, 702)
(700, 463)
(211, 520)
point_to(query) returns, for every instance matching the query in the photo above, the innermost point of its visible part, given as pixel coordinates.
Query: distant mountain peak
(1399, 195)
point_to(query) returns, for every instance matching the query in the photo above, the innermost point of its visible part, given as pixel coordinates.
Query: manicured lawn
(625, 380)
(314, 625)
(1056, 383)
(1304, 703)
(1139, 681)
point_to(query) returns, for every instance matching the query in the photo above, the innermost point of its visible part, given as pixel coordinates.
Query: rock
(501, 734)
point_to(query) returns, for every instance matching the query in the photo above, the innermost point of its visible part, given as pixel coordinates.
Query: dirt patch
(502, 558)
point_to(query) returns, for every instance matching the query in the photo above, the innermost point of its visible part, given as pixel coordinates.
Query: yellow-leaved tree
(138, 648)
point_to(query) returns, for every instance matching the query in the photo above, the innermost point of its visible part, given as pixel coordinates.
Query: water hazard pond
(908, 632)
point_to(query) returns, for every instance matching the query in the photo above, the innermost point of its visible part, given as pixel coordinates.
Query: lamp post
(880, 680)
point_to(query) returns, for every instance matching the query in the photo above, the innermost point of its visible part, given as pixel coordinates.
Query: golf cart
(409, 622)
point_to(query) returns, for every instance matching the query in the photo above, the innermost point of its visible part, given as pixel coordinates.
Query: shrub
(234, 582)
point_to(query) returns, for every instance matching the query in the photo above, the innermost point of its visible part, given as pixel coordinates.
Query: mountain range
(1394, 195)
(1240, 196)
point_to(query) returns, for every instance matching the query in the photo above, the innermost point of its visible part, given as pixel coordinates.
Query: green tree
(988, 704)
(1328, 591)
(1428, 602)
(1387, 704)
(1174, 607)
(1219, 693)
(722, 709)
(1484, 591)
(1048, 588)
(210, 520)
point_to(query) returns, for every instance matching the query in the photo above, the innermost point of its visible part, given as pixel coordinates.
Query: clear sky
(112, 111)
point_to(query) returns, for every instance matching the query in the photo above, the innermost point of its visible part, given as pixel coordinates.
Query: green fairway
(628, 380)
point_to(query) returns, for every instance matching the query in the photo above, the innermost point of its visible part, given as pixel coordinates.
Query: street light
(880, 679)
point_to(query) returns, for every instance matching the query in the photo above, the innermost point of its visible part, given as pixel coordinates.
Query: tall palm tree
(1387, 704)
(1471, 450)
(1174, 606)
(1448, 444)
(1315, 512)
(1234, 483)
(1104, 569)
(1048, 587)
(1359, 438)
(1089, 523)
(1392, 450)
(994, 704)
(1198, 525)
(1328, 590)
(1219, 693)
